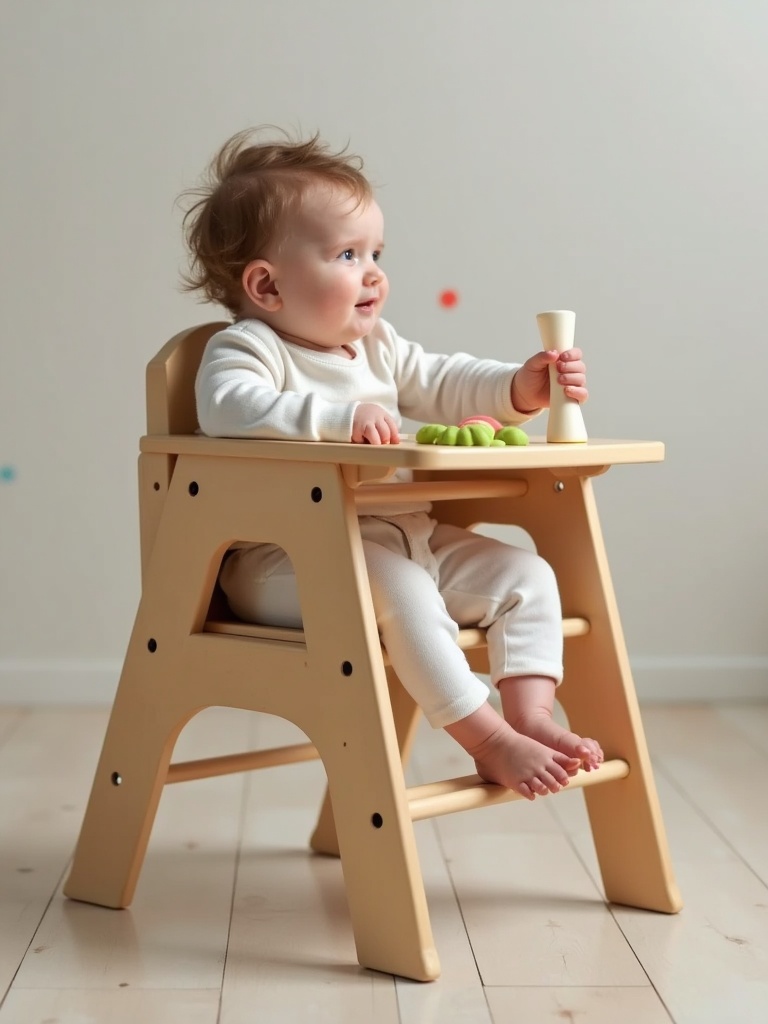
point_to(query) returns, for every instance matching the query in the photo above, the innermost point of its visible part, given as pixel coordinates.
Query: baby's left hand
(530, 385)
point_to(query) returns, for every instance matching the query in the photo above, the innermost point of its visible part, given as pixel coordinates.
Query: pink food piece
(481, 419)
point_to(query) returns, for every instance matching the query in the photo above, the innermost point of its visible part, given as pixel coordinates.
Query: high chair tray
(536, 455)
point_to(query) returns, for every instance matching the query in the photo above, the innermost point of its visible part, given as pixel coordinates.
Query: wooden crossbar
(438, 490)
(468, 639)
(205, 768)
(430, 800)
(470, 791)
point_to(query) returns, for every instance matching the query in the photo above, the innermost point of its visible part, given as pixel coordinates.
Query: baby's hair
(237, 211)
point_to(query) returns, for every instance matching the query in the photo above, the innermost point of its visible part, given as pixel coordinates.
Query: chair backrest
(171, 381)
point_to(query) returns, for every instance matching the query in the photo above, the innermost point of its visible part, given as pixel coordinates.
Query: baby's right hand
(373, 425)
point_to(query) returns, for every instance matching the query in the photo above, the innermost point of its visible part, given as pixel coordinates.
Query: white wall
(601, 156)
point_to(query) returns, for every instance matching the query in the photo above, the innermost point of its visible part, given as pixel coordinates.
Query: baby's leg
(420, 638)
(527, 703)
(513, 594)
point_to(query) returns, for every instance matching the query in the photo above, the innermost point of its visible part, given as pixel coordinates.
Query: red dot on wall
(449, 298)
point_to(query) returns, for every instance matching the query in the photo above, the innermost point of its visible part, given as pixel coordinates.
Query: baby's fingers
(579, 394)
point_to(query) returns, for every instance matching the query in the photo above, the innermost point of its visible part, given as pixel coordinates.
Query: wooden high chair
(198, 496)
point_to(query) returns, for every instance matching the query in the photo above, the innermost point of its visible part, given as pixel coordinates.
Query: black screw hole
(376, 820)
(151, 645)
(193, 488)
(156, 485)
(317, 494)
(346, 668)
(117, 779)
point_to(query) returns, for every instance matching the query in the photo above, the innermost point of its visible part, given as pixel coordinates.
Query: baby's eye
(376, 255)
(348, 256)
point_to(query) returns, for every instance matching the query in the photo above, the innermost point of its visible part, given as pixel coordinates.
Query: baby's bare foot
(539, 725)
(523, 764)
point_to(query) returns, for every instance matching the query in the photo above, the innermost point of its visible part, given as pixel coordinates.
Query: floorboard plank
(46, 765)
(91, 1006)
(722, 775)
(749, 718)
(577, 1005)
(10, 719)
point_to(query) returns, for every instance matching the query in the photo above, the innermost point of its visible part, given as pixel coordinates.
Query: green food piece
(512, 435)
(478, 435)
(429, 433)
(482, 434)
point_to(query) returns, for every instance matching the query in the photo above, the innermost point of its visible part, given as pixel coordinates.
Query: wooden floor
(234, 921)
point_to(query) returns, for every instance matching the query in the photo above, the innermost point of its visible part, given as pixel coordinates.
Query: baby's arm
(241, 391)
(447, 388)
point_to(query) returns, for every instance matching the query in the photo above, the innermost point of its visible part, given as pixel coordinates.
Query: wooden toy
(566, 423)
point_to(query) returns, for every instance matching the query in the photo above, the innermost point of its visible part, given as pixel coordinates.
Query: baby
(289, 237)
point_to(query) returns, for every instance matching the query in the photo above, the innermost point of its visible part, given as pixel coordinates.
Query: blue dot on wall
(7, 474)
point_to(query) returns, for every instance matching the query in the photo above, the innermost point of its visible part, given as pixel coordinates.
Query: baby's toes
(559, 775)
(539, 787)
(570, 765)
(551, 781)
(525, 790)
(592, 754)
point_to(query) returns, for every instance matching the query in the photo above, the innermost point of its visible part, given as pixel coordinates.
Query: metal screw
(559, 486)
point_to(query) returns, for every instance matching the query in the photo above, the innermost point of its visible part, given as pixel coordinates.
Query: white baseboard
(658, 679)
(700, 678)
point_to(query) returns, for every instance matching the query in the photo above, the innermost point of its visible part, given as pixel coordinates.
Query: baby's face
(326, 270)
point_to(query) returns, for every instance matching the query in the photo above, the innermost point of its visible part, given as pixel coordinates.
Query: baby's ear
(260, 286)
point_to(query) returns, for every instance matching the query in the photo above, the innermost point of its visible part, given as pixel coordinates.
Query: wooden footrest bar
(470, 791)
(427, 801)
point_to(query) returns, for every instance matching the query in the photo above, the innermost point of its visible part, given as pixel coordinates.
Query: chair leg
(125, 794)
(376, 842)
(598, 696)
(406, 714)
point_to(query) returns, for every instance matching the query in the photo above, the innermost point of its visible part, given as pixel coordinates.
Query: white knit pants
(428, 579)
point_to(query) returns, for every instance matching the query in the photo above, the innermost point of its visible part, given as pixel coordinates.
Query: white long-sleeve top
(252, 383)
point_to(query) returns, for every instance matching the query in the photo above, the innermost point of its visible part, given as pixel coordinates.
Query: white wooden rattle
(566, 424)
